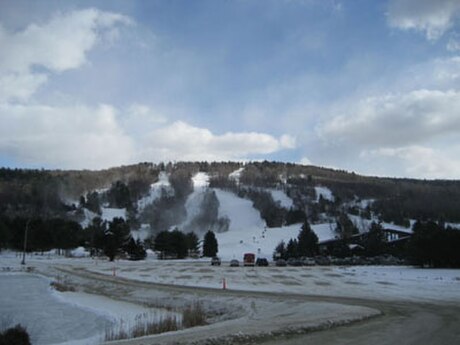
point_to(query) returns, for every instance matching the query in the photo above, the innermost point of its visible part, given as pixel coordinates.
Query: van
(249, 259)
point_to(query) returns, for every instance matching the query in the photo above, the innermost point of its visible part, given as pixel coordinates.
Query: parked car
(280, 263)
(215, 261)
(294, 262)
(249, 259)
(234, 263)
(261, 262)
(322, 260)
(308, 262)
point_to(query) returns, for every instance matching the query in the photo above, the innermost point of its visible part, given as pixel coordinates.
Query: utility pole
(23, 262)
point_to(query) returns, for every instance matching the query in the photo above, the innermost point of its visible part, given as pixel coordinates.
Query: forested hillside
(65, 209)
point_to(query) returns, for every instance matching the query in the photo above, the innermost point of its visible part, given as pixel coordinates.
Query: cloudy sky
(367, 86)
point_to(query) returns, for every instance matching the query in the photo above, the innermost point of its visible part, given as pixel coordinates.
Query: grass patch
(150, 323)
(62, 285)
(194, 315)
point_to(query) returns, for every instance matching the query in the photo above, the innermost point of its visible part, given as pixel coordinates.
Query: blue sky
(366, 86)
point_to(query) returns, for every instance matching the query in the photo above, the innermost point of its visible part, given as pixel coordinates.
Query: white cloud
(288, 141)
(57, 45)
(181, 141)
(395, 120)
(20, 86)
(432, 17)
(64, 137)
(420, 161)
(77, 137)
(453, 44)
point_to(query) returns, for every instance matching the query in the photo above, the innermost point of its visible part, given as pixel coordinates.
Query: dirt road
(258, 317)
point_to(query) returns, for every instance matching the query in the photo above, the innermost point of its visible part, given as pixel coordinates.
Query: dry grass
(193, 315)
(148, 324)
(145, 324)
(62, 285)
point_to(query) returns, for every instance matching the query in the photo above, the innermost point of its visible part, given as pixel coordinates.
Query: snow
(235, 175)
(395, 283)
(155, 191)
(194, 200)
(88, 217)
(109, 213)
(281, 197)
(246, 226)
(79, 252)
(248, 231)
(28, 299)
(200, 180)
(64, 318)
(325, 192)
(325, 231)
(79, 318)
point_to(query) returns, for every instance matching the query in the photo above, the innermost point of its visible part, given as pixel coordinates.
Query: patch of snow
(109, 213)
(281, 197)
(88, 217)
(200, 180)
(364, 203)
(155, 191)
(121, 313)
(399, 227)
(195, 199)
(453, 225)
(325, 192)
(79, 252)
(325, 231)
(235, 175)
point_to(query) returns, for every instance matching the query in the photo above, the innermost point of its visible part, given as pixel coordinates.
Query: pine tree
(178, 243)
(292, 249)
(280, 251)
(210, 245)
(375, 241)
(307, 241)
(116, 237)
(193, 245)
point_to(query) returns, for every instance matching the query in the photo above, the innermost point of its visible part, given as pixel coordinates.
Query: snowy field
(29, 299)
(381, 282)
(64, 318)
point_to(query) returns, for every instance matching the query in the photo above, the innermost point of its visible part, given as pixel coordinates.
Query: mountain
(250, 206)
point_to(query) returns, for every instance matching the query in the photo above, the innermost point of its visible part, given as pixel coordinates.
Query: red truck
(249, 259)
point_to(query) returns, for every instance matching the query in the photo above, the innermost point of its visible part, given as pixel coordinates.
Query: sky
(366, 86)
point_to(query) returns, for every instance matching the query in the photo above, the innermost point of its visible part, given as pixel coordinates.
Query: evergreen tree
(292, 249)
(95, 234)
(210, 245)
(116, 237)
(119, 195)
(345, 227)
(135, 249)
(307, 241)
(92, 202)
(193, 244)
(280, 251)
(375, 241)
(162, 244)
(178, 243)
